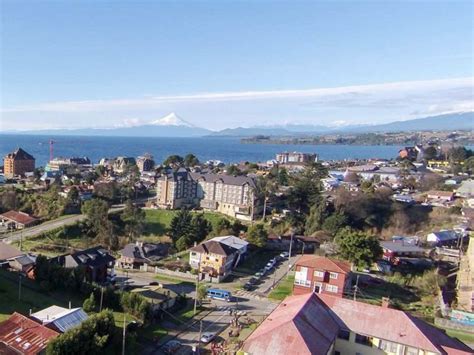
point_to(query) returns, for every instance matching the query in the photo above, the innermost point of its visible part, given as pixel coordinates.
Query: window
(318, 273)
(332, 288)
(411, 351)
(344, 334)
(362, 339)
(388, 346)
(303, 283)
(333, 275)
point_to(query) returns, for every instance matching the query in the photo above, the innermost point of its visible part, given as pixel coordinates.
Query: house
(7, 253)
(213, 259)
(23, 263)
(395, 249)
(322, 275)
(145, 163)
(466, 190)
(97, 263)
(18, 163)
(444, 237)
(17, 220)
(158, 297)
(22, 335)
(409, 153)
(234, 242)
(60, 319)
(135, 255)
(443, 196)
(322, 324)
(122, 163)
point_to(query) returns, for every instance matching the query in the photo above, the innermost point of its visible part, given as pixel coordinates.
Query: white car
(207, 337)
(285, 254)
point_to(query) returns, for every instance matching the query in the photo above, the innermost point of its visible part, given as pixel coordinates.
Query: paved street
(218, 319)
(47, 226)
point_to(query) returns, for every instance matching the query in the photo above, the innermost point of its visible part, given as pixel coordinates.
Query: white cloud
(375, 103)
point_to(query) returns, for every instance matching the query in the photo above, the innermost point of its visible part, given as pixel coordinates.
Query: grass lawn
(153, 332)
(31, 296)
(283, 289)
(173, 280)
(118, 317)
(463, 336)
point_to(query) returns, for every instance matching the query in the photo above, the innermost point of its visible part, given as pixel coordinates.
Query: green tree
(134, 219)
(316, 217)
(190, 160)
(335, 222)
(201, 292)
(233, 170)
(180, 225)
(358, 247)
(96, 211)
(430, 153)
(89, 304)
(200, 228)
(173, 160)
(257, 235)
(306, 188)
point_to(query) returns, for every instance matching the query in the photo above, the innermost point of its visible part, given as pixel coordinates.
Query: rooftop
(62, 318)
(25, 335)
(214, 247)
(8, 252)
(18, 217)
(320, 262)
(19, 154)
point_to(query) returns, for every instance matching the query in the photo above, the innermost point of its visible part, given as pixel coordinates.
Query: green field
(32, 297)
(283, 289)
(158, 221)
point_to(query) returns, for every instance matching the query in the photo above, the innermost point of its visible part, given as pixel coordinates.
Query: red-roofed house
(322, 275)
(21, 335)
(17, 220)
(327, 324)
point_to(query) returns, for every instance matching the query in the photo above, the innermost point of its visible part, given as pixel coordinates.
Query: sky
(224, 64)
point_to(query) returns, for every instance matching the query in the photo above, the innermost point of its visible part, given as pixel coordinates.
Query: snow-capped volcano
(171, 119)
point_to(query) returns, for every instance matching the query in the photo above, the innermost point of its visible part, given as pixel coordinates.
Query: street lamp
(289, 252)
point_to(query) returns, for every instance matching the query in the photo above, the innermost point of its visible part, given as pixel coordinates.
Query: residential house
(396, 249)
(213, 259)
(323, 324)
(466, 189)
(15, 259)
(145, 163)
(135, 255)
(60, 319)
(97, 263)
(122, 163)
(322, 275)
(444, 237)
(17, 220)
(158, 297)
(409, 153)
(440, 196)
(236, 243)
(22, 335)
(18, 163)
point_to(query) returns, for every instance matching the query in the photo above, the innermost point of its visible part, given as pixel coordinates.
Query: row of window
(385, 345)
(332, 275)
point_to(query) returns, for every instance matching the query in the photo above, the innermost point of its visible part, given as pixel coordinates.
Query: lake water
(228, 150)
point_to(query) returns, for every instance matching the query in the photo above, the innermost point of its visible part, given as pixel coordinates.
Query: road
(47, 226)
(218, 318)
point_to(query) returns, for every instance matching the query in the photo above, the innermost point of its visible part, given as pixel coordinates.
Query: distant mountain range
(174, 126)
(460, 121)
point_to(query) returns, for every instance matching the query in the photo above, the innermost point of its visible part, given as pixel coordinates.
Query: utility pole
(123, 335)
(199, 339)
(101, 298)
(21, 240)
(19, 287)
(356, 288)
(197, 285)
(289, 256)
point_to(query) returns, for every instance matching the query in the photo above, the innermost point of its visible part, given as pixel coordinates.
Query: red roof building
(322, 275)
(21, 335)
(327, 324)
(17, 220)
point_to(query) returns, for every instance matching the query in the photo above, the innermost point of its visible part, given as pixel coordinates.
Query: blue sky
(224, 64)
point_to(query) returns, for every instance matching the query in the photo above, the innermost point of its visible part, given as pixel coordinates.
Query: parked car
(285, 254)
(248, 286)
(171, 347)
(208, 337)
(154, 283)
(269, 266)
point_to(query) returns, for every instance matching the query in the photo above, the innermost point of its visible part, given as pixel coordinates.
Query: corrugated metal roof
(63, 319)
(25, 335)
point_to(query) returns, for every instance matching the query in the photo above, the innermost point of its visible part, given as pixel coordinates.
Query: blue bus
(219, 294)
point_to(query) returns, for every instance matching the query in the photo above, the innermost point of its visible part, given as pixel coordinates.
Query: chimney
(31, 312)
(69, 304)
(385, 302)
